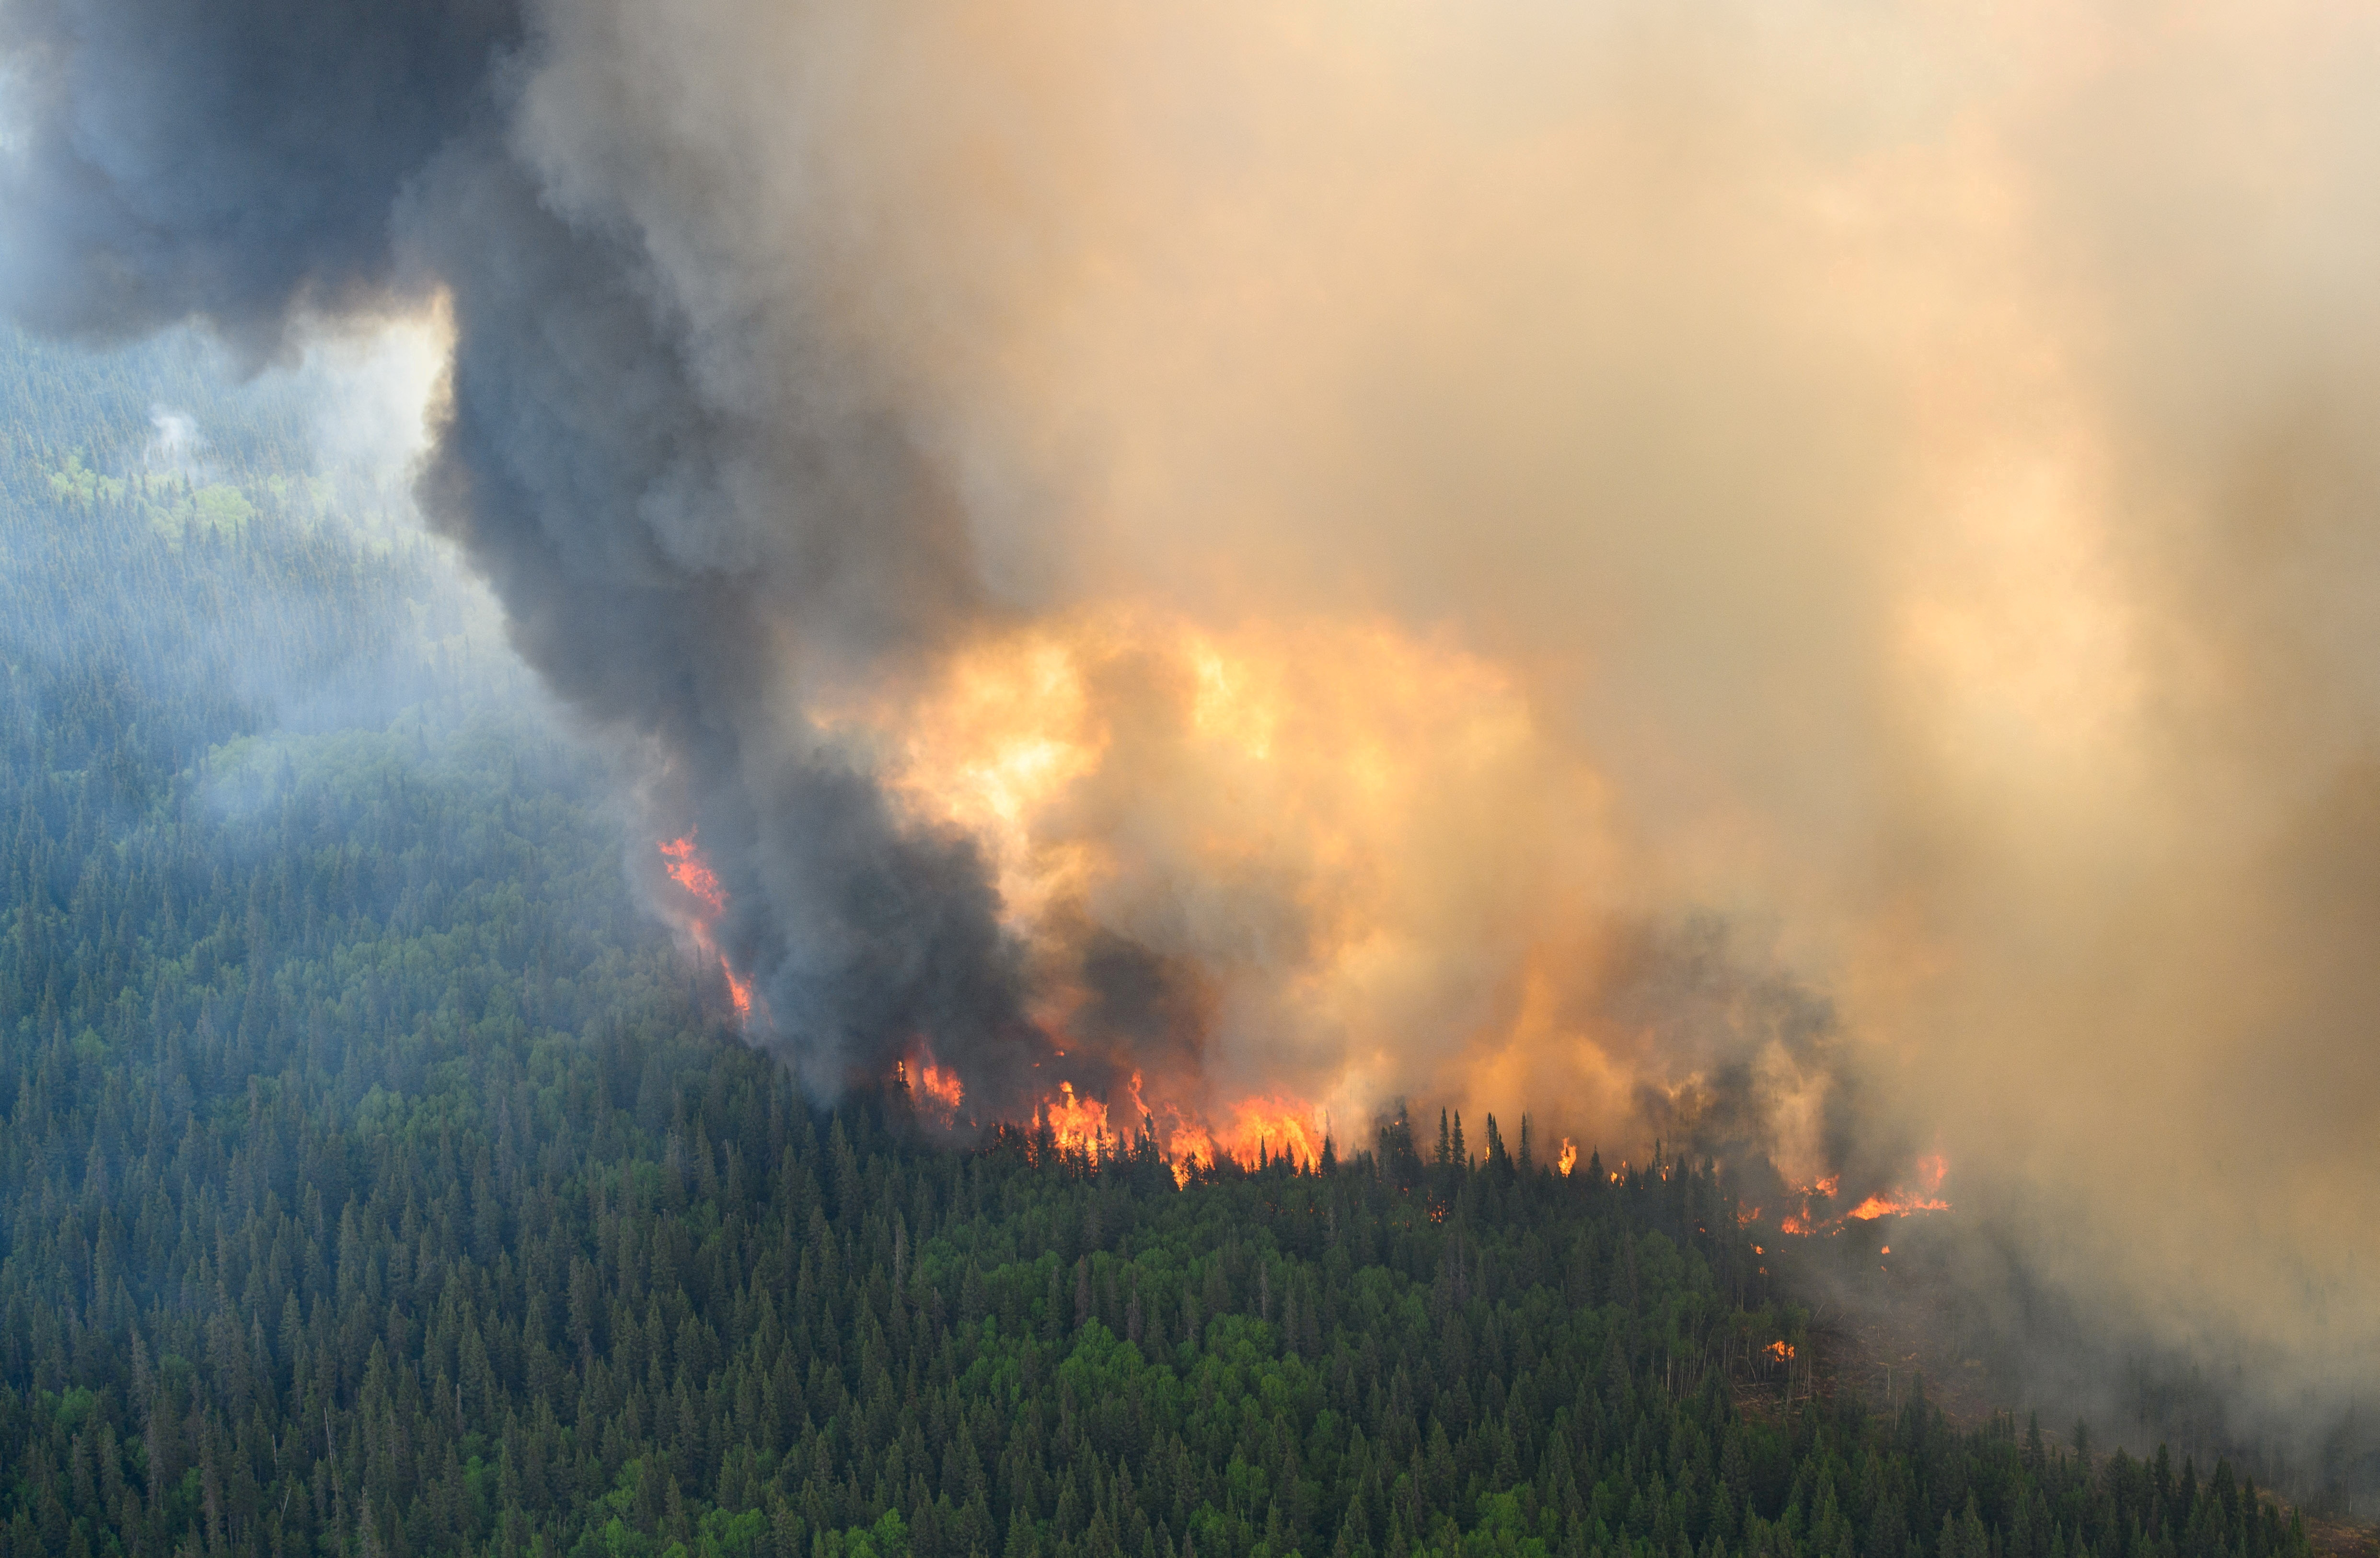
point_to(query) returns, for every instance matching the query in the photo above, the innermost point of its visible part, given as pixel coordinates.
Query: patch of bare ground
(2339, 1539)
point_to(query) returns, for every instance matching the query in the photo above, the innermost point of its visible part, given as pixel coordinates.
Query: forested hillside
(374, 1178)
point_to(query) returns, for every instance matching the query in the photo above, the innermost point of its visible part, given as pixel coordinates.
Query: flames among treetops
(1335, 832)
(1252, 1132)
(1327, 833)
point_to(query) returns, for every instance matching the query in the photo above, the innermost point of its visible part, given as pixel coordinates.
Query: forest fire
(1895, 1204)
(1266, 1129)
(1080, 1125)
(1813, 1213)
(1253, 1133)
(1327, 829)
(934, 1089)
(690, 870)
(684, 862)
(1931, 1171)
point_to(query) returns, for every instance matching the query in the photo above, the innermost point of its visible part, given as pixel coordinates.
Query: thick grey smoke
(671, 557)
(235, 163)
(670, 549)
(1301, 539)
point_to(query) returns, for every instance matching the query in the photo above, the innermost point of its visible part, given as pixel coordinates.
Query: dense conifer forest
(376, 1179)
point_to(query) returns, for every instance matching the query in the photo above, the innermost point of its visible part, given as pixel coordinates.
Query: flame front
(1252, 1133)
(690, 870)
(1931, 1171)
(1080, 1125)
(684, 862)
(1330, 834)
(1812, 1216)
(1568, 1159)
(934, 1088)
(941, 1087)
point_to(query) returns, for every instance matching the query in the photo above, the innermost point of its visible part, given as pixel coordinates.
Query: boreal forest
(377, 1178)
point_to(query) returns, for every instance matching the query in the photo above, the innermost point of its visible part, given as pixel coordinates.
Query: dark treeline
(374, 1179)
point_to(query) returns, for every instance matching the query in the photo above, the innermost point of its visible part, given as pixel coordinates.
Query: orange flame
(934, 1088)
(1271, 1128)
(1898, 1204)
(1931, 1171)
(942, 1085)
(687, 867)
(1189, 1144)
(1781, 1351)
(1112, 760)
(690, 870)
(1252, 1131)
(1568, 1159)
(1080, 1125)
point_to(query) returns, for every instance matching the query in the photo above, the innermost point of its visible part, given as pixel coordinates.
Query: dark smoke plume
(669, 549)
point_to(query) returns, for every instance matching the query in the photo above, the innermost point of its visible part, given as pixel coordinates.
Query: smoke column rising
(1796, 577)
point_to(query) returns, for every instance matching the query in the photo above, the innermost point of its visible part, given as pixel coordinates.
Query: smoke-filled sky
(1798, 576)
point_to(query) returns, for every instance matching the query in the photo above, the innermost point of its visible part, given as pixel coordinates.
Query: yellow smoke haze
(1459, 480)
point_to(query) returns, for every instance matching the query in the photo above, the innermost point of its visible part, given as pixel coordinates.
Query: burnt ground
(2341, 1539)
(1885, 1327)
(1892, 1324)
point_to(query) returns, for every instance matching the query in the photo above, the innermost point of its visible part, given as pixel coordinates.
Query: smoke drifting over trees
(1905, 481)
